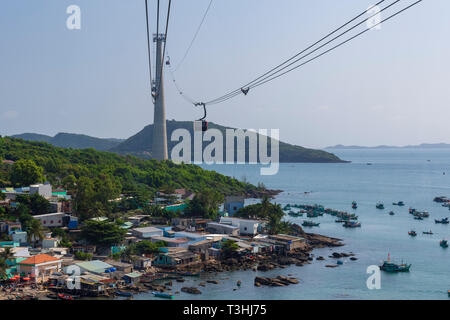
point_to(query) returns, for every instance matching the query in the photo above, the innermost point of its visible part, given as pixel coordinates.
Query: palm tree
(35, 231)
(5, 255)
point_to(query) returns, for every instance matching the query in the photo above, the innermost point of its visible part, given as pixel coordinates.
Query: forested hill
(141, 145)
(125, 174)
(72, 140)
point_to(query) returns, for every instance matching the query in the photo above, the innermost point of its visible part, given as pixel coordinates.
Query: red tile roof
(39, 259)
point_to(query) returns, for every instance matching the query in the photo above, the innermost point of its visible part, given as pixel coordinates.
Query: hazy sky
(389, 87)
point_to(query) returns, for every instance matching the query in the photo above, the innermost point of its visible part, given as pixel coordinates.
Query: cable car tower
(159, 143)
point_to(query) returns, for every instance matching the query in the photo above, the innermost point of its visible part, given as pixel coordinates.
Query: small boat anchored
(412, 233)
(354, 205)
(428, 232)
(442, 221)
(351, 224)
(310, 224)
(400, 203)
(162, 295)
(380, 206)
(443, 243)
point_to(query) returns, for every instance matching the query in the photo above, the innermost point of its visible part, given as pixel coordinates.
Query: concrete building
(220, 228)
(147, 232)
(246, 226)
(20, 237)
(233, 204)
(40, 266)
(44, 190)
(48, 243)
(289, 242)
(52, 220)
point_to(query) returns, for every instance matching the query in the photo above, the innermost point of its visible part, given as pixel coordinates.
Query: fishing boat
(388, 266)
(412, 233)
(354, 205)
(162, 295)
(380, 206)
(239, 283)
(443, 221)
(391, 213)
(310, 224)
(411, 210)
(428, 232)
(295, 214)
(418, 218)
(443, 243)
(124, 294)
(351, 224)
(400, 203)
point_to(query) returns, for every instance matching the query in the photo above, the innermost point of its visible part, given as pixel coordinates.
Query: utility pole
(159, 146)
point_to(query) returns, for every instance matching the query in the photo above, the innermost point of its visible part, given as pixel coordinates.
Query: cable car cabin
(200, 126)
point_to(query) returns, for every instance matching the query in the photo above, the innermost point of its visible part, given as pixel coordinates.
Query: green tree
(104, 234)
(4, 257)
(35, 202)
(25, 173)
(86, 256)
(229, 247)
(69, 182)
(35, 231)
(84, 197)
(205, 204)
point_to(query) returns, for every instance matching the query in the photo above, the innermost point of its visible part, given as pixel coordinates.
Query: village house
(172, 242)
(39, 266)
(147, 232)
(220, 228)
(44, 190)
(49, 242)
(175, 257)
(51, 220)
(95, 267)
(233, 204)
(202, 248)
(120, 266)
(288, 242)
(132, 278)
(20, 237)
(141, 262)
(10, 226)
(246, 226)
(83, 248)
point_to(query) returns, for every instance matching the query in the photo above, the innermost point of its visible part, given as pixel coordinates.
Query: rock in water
(191, 290)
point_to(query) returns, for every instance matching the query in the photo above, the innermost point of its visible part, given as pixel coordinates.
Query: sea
(415, 176)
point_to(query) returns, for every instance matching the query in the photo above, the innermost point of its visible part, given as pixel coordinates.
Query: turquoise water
(404, 174)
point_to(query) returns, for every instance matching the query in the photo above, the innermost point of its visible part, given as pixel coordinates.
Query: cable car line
(274, 76)
(165, 44)
(194, 38)
(148, 45)
(303, 51)
(340, 44)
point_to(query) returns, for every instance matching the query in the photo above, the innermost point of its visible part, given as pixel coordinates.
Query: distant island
(140, 144)
(420, 146)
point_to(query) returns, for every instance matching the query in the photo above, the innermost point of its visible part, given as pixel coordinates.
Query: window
(45, 221)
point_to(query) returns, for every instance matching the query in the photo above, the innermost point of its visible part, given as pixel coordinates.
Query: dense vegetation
(71, 140)
(272, 213)
(95, 177)
(141, 143)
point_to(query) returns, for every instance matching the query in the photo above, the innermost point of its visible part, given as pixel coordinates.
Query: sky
(389, 87)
